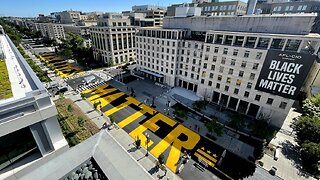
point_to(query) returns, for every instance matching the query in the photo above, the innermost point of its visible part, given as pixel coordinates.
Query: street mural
(169, 137)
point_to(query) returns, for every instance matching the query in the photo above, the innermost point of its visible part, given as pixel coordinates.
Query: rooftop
(22, 79)
(101, 149)
(299, 24)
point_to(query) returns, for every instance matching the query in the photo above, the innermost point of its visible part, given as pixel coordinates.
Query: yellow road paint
(107, 100)
(139, 132)
(172, 137)
(129, 101)
(207, 155)
(130, 119)
(204, 159)
(105, 91)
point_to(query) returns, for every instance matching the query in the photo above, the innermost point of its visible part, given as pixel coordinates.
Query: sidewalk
(124, 139)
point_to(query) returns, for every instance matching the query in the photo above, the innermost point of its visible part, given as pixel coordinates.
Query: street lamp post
(148, 139)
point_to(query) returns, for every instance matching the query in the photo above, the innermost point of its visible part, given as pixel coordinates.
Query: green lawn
(5, 90)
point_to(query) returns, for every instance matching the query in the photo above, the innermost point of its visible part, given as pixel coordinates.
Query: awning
(152, 73)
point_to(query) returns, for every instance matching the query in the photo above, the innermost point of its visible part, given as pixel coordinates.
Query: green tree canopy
(307, 128)
(214, 126)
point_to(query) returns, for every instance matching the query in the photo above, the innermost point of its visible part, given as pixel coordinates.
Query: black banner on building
(283, 73)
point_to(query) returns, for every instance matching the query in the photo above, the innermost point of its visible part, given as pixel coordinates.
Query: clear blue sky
(34, 7)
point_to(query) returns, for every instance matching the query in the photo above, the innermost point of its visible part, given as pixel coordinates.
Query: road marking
(177, 144)
(204, 159)
(207, 155)
(129, 101)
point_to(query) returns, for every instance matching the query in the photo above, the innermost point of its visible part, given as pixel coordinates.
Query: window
(216, 49)
(244, 64)
(233, 62)
(258, 56)
(235, 52)
(241, 73)
(205, 65)
(238, 82)
(206, 57)
(258, 97)
(236, 91)
(283, 105)
(218, 85)
(226, 88)
(299, 8)
(219, 77)
(225, 50)
(246, 94)
(208, 49)
(221, 69)
(230, 71)
(270, 101)
(211, 75)
(213, 67)
(223, 60)
(228, 80)
(246, 54)
(287, 8)
(214, 58)
(249, 85)
(252, 76)
(304, 7)
(209, 83)
(202, 81)
(255, 66)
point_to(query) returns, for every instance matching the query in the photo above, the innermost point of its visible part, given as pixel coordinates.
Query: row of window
(221, 8)
(291, 8)
(246, 94)
(255, 42)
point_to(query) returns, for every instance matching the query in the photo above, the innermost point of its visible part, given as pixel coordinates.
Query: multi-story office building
(233, 61)
(51, 30)
(156, 13)
(139, 19)
(29, 130)
(113, 39)
(289, 7)
(214, 8)
(69, 17)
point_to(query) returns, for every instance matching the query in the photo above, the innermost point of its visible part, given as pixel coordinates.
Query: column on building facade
(244, 41)
(301, 45)
(256, 43)
(270, 43)
(233, 40)
(284, 45)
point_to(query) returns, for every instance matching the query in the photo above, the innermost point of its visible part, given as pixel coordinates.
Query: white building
(51, 30)
(113, 39)
(226, 59)
(29, 130)
(69, 17)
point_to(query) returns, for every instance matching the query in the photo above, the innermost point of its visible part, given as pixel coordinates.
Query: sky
(31, 8)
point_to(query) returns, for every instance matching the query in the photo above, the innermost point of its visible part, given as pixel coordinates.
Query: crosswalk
(90, 86)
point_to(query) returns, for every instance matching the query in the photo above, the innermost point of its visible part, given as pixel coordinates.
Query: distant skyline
(31, 8)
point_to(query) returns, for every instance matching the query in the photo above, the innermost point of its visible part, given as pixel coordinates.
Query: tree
(161, 159)
(307, 129)
(83, 96)
(310, 155)
(214, 126)
(237, 121)
(199, 105)
(69, 108)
